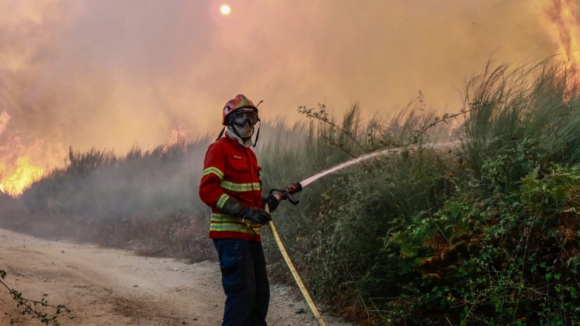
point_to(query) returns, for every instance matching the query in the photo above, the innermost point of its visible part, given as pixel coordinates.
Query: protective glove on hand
(272, 202)
(254, 214)
(257, 215)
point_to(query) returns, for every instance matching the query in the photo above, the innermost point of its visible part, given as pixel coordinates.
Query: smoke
(113, 73)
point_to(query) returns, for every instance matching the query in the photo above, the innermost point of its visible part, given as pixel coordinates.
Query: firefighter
(231, 187)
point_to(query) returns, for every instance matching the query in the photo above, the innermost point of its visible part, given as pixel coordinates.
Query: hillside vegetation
(483, 230)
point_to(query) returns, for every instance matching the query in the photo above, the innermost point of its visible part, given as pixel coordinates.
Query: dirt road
(115, 287)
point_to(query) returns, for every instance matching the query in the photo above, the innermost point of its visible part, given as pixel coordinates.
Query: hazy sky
(112, 73)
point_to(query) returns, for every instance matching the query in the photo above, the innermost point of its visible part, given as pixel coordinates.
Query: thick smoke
(112, 73)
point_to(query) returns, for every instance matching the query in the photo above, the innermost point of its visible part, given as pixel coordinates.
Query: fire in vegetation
(563, 26)
(17, 171)
(19, 176)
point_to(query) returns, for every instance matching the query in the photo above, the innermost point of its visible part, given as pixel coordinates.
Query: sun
(225, 9)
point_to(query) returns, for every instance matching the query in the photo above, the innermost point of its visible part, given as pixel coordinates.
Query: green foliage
(505, 259)
(358, 210)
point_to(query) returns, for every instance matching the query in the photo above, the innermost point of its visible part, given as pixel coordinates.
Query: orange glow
(562, 24)
(14, 181)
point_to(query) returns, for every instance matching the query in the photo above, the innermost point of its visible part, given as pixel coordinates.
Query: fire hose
(288, 194)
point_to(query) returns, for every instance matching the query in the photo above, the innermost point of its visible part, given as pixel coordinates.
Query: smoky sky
(114, 73)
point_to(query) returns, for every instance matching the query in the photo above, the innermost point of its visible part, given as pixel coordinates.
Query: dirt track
(115, 287)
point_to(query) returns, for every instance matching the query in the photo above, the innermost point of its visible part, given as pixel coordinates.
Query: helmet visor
(240, 118)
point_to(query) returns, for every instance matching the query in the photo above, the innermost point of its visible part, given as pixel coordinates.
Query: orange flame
(22, 175)
(563, 25)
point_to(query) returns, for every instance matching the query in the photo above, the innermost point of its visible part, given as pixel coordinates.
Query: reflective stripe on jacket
(231, 170)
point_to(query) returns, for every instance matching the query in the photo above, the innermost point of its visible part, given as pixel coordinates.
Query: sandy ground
(115, 287)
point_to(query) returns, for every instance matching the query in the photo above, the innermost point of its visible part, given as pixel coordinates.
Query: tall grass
(532, 103)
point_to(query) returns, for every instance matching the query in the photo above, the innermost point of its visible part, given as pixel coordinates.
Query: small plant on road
(30, 306)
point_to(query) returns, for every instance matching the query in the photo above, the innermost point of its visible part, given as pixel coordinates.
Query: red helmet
(240, 102)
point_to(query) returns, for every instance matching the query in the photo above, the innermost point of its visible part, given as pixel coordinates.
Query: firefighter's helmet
(238, 104)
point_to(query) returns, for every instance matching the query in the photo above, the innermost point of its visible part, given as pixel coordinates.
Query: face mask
(245, 131)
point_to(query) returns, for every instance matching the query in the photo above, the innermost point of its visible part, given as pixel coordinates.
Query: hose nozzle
(288, 192)
(294, 188)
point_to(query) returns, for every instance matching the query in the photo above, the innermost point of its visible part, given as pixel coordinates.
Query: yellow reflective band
(224, 222)
(225, 218)
(240, 187)
(232, 228)
(222, 200)
(213, 170)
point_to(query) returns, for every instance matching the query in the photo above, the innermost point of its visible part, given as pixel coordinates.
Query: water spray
(282, 194)
(317, 176)
(298, 186)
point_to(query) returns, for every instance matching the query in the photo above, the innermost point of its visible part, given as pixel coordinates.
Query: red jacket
(231, 170)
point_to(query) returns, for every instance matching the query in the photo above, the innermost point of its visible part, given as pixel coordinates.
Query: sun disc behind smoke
(225, 9)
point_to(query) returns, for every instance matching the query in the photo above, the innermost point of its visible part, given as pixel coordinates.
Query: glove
(255, 214)
(234, 208)
(272, 202)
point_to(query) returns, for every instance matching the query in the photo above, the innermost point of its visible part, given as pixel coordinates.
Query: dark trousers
(245, 282)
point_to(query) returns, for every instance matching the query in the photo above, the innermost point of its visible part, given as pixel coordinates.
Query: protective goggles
(240, 118)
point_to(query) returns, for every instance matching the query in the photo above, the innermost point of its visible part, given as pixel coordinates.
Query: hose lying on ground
(295, 274)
